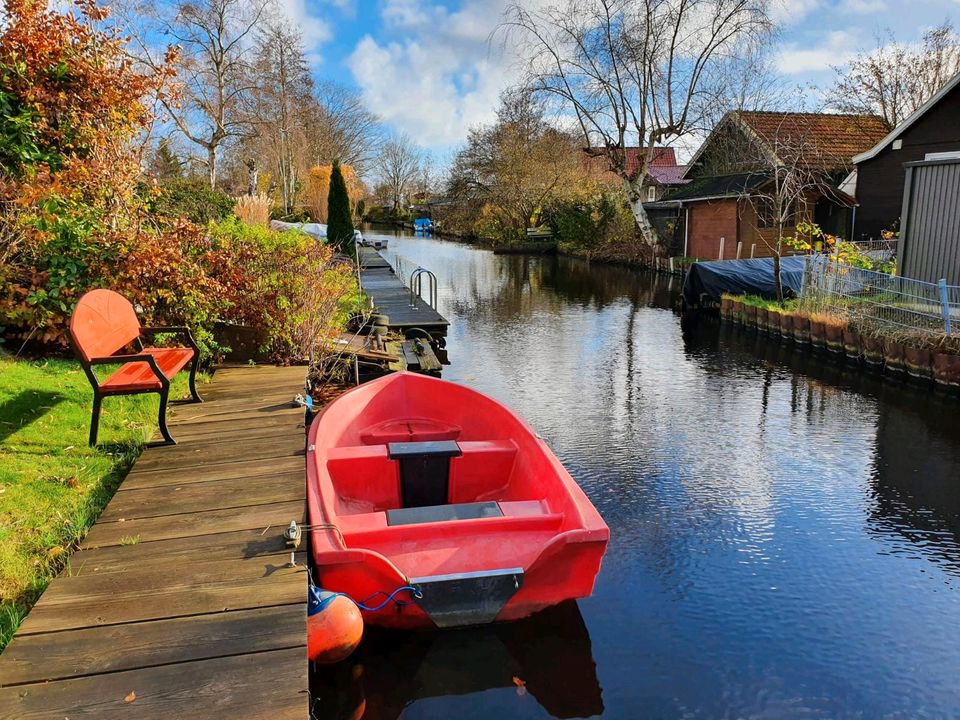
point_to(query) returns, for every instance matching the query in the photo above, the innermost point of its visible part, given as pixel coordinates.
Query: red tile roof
(667, 174)
(834, 138)
(663, 165)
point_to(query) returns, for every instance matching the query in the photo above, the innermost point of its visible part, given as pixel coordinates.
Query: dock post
(671, 266)
(753, 249)
(722, 241)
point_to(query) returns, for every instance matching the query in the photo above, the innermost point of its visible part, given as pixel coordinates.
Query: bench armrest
(139, 357)
(173, 329)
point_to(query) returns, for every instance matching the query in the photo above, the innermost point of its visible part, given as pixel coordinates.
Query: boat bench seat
(443, 513)
(516, 514)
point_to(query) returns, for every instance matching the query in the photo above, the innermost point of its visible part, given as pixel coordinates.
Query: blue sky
(428, 69)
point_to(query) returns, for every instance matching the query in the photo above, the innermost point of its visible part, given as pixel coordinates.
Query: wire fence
(875, 299)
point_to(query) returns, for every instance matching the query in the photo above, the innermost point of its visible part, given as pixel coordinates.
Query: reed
(253, 210)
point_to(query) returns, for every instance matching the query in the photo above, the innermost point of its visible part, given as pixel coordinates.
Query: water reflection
(785, 527)
(546, 658)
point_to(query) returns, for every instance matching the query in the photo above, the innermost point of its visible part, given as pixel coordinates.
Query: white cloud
(789, 12)
(863, 7)
(443, 78)
(315, 30)
(835, 49)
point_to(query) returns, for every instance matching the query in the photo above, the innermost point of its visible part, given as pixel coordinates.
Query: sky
(430, 69)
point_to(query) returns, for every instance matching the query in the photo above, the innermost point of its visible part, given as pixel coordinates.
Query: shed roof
(718, 186)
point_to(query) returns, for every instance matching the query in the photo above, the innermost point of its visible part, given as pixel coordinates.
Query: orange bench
(102, 324)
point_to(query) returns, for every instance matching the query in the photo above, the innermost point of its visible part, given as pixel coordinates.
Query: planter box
(946, 368)
(726, 307)
(893, 354)
(852, 344)
(801, 328)
(834, 336)
(918, 361)
(818, 333)
(763, 318)
(872, 349)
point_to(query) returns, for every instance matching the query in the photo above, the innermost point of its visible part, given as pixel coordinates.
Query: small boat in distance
(433, 495)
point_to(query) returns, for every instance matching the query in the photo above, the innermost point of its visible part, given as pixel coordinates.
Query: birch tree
(632, 72)
(215, 74)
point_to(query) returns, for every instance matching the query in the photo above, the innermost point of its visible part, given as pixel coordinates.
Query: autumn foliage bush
(73, 217)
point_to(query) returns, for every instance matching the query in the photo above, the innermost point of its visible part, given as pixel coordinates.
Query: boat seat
(443, 513)
(424, 471)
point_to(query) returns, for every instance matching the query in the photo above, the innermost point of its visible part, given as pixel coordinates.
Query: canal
(785, 528)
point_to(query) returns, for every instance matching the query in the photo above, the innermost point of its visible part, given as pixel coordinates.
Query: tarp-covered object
(742, 277)
(318, 231)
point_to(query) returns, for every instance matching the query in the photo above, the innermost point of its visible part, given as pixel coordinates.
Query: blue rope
(319, 604)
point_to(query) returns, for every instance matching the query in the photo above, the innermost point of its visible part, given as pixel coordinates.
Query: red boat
(435, 494)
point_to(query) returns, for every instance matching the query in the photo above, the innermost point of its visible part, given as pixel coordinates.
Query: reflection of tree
(916, 463)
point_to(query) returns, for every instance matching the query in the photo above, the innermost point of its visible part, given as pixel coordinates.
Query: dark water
(785, 529)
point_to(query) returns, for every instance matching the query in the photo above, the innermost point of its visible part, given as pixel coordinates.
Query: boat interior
(438, 497)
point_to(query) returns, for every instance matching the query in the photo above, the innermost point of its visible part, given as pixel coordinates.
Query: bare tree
(397, 165)
(281, 104)
(633, 71)
(895, 79)
(342, 128)
(795, 174)
(215, 71)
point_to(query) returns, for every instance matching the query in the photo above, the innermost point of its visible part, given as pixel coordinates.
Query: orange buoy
(334, 626)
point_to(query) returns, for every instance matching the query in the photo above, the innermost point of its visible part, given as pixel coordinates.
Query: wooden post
(753, 249)
(722, 241)
(671, 266)
(739, 248)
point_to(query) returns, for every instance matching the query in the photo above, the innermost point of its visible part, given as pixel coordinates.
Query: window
(651, 193)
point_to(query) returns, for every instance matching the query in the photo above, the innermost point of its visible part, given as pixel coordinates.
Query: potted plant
(833, 333)
(801, 327)
(945, 361)
(893, 353)
(852, 344)
(872, 345)
(917, 355)
(818, 330)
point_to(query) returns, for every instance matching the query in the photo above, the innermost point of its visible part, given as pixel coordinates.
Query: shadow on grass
(25, 407)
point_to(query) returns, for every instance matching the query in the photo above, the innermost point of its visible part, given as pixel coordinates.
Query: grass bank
(52, 485)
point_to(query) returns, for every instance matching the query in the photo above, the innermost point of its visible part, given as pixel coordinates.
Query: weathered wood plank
(158, 591)
(195, 524)
(221, 471)
(210, 452)
(246, 687)
(91, 651)
(198, 497)
(229, 545)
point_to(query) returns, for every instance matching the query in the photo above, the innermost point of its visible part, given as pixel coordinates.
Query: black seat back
(424, 471)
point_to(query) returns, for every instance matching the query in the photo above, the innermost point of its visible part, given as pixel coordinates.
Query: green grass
(52, 485)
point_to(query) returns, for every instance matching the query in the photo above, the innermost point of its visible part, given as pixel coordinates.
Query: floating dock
(180, 602)
(394, 299)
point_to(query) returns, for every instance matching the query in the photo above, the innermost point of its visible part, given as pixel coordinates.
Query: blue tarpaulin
(742, 277)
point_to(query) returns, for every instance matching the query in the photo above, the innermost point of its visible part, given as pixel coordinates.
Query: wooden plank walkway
(392, 298)
(179, 602)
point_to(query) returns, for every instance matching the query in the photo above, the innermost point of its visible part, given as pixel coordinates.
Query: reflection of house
(719, 210)
(877, 180)
(663, 174)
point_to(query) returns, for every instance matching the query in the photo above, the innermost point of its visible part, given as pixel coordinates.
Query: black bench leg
(162, 419)
(193, 379)
(95, 419)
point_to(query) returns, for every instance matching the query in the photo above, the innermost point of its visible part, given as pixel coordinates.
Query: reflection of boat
(546, 656)
(414, 481)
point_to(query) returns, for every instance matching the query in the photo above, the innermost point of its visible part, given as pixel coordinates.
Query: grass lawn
(52, 485)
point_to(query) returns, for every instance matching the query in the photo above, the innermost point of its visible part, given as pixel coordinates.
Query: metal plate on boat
(443, 513)
(472, 598)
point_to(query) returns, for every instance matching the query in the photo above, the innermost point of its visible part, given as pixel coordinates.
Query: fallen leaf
(131, 697)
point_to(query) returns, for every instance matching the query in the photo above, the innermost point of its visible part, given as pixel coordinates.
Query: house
(663, 175)
(724, 210)
(877, 180)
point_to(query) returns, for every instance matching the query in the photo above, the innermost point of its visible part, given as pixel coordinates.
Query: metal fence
(877, 299)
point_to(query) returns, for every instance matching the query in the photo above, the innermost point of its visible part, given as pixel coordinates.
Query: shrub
(190, 199)
(254, 210)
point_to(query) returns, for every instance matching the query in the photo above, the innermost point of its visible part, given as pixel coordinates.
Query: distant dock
(394, 299)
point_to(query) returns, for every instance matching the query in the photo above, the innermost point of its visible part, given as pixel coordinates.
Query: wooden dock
(392, 298)
(180, 602)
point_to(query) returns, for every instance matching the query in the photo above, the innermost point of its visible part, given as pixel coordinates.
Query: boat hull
(514, 534)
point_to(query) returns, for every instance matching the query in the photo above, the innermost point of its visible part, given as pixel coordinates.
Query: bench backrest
(102, 323)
